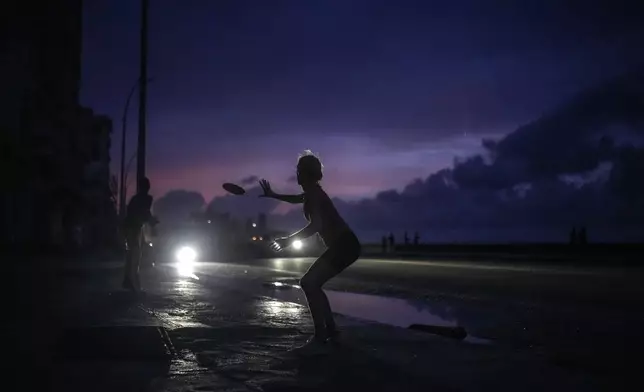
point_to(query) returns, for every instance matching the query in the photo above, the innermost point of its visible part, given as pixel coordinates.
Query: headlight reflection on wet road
(278, 263)
(186, 257)
(291, 264)
(281, 309)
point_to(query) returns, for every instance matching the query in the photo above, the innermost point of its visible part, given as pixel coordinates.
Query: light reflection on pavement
(238, 330)
(280, 309)
(562, 303)
(245, 338)
(559, 312)
(243, 342)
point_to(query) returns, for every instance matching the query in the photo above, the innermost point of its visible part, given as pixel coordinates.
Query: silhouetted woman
(138, 214)
(343, 247)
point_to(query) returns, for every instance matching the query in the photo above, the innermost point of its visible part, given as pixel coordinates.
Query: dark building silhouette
(98, 220)
(54, 148)
(392, 242)
(416, 239)
(384, 244)
(406, 239)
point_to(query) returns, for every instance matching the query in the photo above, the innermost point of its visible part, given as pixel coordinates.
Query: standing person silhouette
(138, 214)
(343, 247)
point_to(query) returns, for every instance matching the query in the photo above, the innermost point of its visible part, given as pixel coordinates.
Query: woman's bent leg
(330, 264)
(318, 274)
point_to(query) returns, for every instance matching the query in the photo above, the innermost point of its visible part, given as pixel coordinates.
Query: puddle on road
(281, 285)
(397, 312)
(386, 310)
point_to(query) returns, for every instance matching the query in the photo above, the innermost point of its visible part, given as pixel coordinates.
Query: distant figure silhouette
(343, 247)
(416, 239)
(406, 239)
(392, 242)
(384, 244)
(573, 236)
(582, 236)
(138, 214)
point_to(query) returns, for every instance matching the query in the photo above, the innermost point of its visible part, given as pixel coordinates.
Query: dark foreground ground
(531, 326)
(585, 317)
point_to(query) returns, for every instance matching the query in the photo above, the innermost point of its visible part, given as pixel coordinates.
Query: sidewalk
(226, 338)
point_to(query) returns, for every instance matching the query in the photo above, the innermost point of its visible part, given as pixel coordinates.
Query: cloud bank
(250, 180)
(582, 164)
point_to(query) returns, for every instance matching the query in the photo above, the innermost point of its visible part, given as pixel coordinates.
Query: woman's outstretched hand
(279, 244)
(266, 187)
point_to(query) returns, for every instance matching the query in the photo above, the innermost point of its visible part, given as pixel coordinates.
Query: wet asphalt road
(534, 284)
(573, 331)
(590, 314)
(230, 334)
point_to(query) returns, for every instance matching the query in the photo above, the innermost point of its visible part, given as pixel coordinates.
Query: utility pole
(122, 195)
(122, 173)
(125, 169)
(143, 92)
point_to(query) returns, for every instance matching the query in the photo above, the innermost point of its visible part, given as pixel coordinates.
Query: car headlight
(186, 257)
(297, 244)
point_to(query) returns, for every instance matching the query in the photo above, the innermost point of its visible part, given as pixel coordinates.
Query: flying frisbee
(233, 188)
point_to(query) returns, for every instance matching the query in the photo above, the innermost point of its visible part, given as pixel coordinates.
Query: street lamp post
(141, 83)
(143, 93)
(126, 179)
(123, 139)
(122, 195)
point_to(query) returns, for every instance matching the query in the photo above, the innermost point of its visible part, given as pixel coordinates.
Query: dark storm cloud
(484, 191)
(247, 206)
(521, 183)
(273, 77)
(177, 205)
(414, 69)
(574, 139)
(249, 180)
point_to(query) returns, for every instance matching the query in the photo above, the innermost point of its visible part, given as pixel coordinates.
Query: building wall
(40, 59)
(56, 163)
(99, 212)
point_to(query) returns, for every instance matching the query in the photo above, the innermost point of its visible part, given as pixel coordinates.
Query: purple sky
(385, 91)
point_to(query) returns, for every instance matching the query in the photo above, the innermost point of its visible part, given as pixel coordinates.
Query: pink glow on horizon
(355, 170)
(345, 183)
(339, 183)
(206, 180)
